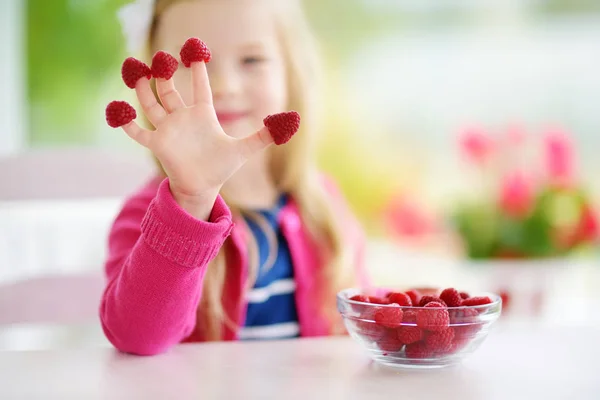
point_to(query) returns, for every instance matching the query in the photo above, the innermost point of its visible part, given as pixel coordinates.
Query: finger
(256, 142)
(169, 96)
(152, 109)
(137, 133)
(200, 84)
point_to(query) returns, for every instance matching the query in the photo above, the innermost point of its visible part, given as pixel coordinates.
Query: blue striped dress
(271, 310)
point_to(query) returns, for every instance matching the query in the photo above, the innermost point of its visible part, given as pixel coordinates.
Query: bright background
(404, 79)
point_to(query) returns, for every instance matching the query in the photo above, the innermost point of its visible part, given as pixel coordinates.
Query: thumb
(256, 142)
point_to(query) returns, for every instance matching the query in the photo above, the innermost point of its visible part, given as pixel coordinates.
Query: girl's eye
(251, 60)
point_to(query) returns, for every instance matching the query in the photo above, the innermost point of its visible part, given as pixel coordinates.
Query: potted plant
(524, 220)
(530, 217)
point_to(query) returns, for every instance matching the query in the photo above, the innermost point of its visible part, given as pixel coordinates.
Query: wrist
(199, 205)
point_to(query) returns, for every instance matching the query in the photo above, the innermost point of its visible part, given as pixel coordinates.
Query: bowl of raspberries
(419, 328)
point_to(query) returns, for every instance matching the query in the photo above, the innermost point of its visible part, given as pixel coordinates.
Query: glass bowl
(417, 337)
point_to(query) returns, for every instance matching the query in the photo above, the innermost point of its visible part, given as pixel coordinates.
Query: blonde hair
(294, 171)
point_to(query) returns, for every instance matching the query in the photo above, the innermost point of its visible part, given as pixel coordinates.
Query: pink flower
(589, 224)
(587, 228)
(405, 218)
(515, 135)
(516, 194)
(476, 145)
(559, 158)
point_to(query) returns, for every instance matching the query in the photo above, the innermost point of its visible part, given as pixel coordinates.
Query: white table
(514, 363)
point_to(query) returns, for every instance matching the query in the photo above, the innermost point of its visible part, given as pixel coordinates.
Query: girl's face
(247, 71)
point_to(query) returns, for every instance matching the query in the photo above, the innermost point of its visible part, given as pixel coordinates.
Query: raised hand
(195, 152)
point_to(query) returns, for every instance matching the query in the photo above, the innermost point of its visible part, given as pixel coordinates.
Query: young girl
(235, 238)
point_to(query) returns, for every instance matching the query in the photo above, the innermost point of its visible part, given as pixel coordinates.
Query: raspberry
(194, 50)
(451, 297)
(439, 342)
(367, 328)
(362, 301)
(463, 315)
(409, 317)
(457, 345)
(476, 301)
(409, 334)
(466, 332)
(282, 126)
(464, 295)
(390, 317)
(360, 297)
(402, 299)
(389, 342)
(465, 322)
(119, 113)
(164, 65)
(433, 317)
(132, 70)
(428, 299)
(417, 350)
(415, 296)
(377, 300)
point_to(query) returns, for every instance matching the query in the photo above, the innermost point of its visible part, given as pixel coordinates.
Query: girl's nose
(224, 81)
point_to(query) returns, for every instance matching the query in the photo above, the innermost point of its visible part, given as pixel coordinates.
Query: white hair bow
(136, 19)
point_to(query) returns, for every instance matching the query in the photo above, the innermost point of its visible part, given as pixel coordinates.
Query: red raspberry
(119, 113)
(390, 317)
(457, 345)
(368, 329)
(466, 332)
(409, 317)
(389, 342)
(402, 299)
(132, 70)
(433, 317)
(164, 65)
(476, 301)
(377, 300)
(465, 321)
(409, 334)
(464, 295)
(415, 296)
(428, 299)
(194, 50)
(463, 315)
(363, 303)
(360, 297)
(282, 126)
(439, 342)
(417, 350)
(451, 297)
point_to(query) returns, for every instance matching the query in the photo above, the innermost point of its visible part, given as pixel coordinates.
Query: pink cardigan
(157, 258)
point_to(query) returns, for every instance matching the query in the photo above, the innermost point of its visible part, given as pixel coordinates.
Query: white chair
(56, 207)
(51, 299)
(47, 312)
(71, 172)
